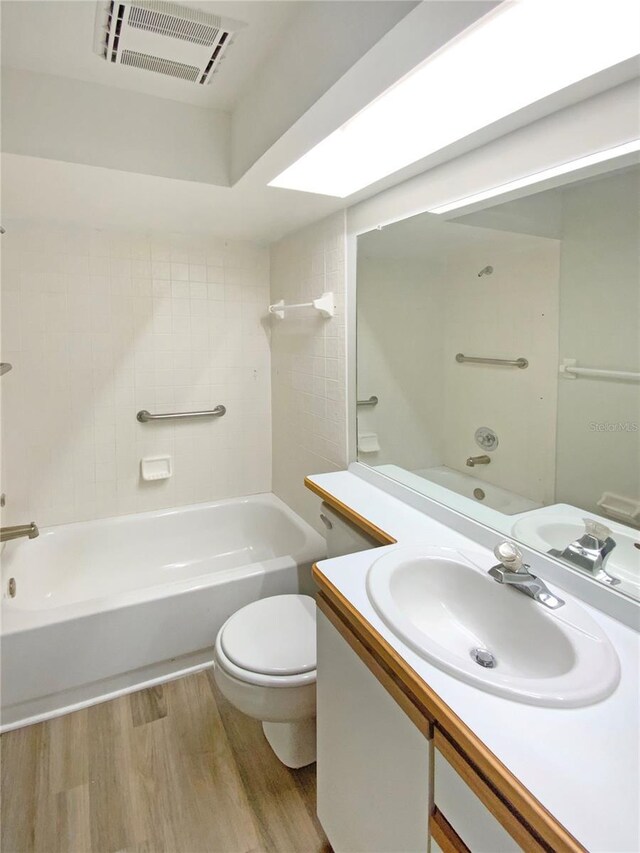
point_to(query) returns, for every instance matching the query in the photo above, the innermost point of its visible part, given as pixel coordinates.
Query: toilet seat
(270, 642)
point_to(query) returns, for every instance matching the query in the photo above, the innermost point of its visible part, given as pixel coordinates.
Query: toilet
(265, 665)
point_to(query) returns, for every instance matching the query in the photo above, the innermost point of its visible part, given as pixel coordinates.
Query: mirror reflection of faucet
(590, 552)
(472, 461)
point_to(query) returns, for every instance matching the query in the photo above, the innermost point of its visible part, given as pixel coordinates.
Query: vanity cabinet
(373, 762)
(390, 781)
(394, 773)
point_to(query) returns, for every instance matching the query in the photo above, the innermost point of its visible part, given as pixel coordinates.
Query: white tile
(304, 399)
(116, 322)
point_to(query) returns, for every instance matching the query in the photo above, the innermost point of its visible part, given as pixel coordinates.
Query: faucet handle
(596, 529)
(509, 555)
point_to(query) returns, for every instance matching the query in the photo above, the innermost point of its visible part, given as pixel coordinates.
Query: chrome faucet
(590, 552)
(513, 571)
(472, 461)
(19, 530)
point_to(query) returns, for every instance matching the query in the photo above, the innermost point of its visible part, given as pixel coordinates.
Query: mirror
(498, 367)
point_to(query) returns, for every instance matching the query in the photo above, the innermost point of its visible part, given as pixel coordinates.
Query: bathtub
(106, 607)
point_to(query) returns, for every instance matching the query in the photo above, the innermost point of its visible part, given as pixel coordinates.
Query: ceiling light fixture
(516, 55)
(538, 177)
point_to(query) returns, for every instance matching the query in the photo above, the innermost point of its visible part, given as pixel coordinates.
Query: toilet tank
(342, 536)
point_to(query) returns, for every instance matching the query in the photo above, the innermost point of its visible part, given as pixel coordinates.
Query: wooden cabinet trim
(346, 511)
(444, 834)
(515, 797)
(524, 836)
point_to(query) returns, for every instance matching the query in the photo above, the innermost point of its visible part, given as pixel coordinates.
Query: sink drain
(483, 657)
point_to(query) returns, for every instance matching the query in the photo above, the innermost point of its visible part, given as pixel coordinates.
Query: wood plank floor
(172, 768)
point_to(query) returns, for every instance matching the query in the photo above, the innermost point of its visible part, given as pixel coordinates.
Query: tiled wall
(308, 363)
(99, 325)
(400, 359)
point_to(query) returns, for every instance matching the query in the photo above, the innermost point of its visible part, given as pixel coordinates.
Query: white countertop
(582, 764)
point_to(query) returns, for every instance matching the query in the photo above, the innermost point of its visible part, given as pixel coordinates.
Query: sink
(556, 526)
(444, 605)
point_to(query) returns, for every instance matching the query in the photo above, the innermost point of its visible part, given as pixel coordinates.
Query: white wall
(600, 326)
(308, 363)
(99, 325)
(63, 119)
(400, 338)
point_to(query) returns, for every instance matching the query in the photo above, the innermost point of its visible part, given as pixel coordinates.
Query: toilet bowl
(265, 665)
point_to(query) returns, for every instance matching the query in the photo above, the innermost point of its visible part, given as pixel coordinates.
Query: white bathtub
(105, 607)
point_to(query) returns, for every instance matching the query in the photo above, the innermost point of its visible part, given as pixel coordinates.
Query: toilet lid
(274, 636)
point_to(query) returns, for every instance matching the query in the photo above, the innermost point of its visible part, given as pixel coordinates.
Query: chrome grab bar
(507, 362)
(372, 401)
(143, 415)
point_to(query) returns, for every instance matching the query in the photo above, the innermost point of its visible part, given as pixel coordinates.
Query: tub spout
(472, 461)
(19, 530)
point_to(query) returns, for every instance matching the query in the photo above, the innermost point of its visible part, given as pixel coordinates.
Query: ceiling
(511, 225)
(299, 70)
(36, 189)
(429, 236)
(56, 37)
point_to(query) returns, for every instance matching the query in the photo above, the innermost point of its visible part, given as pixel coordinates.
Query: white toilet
(265, 665)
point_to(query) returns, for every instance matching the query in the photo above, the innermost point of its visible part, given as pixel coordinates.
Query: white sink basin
(557, 526)
(444, 605)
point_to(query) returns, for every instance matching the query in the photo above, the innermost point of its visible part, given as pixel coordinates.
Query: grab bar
(506, 362)
(372, 401)
(143, 415)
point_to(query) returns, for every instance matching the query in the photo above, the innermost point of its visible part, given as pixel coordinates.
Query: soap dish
(155, 467)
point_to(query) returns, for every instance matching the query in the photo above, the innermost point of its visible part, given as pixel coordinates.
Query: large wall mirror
(498, 367)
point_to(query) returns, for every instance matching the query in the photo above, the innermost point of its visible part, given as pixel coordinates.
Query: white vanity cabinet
(373, 762)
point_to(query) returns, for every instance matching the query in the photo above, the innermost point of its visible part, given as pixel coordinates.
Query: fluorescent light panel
(547, 174)
(516, 55)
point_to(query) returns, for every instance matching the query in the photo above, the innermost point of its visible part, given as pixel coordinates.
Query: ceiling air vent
(163, 37)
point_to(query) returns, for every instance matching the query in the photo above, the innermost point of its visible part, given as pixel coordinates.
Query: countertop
(582, 764)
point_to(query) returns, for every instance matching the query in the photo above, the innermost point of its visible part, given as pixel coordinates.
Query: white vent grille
(170, 25)
(160, 66)
(163, 37)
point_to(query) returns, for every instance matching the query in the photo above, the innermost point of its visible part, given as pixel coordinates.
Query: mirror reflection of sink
(447, 608)
(556, 526)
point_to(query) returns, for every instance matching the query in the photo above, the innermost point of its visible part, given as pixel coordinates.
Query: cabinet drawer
(480, 818)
